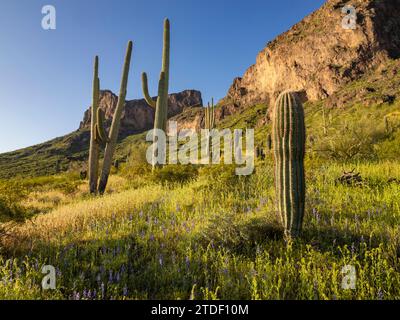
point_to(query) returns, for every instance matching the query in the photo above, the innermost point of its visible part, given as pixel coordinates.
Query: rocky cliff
(138, 116)
(318, 56)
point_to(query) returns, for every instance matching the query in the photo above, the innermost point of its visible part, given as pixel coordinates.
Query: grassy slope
(215, 238)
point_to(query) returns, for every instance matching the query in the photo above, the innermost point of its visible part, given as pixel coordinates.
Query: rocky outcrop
(138, 116)
(318, 56)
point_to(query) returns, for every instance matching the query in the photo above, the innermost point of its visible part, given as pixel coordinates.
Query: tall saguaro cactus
(289, 148)
(113, 135)
(94, 145)
(98, 136)
(161, 104)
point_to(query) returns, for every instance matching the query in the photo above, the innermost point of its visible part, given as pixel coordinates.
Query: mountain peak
(317, 56)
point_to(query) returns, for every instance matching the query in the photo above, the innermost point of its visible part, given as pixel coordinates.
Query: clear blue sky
(45, 76)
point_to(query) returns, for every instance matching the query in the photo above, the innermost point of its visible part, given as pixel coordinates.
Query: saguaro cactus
(289, 144)
(113, 135)
(94, 145)
(209, 118)
(161, 104)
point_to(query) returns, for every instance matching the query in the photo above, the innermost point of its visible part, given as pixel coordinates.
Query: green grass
(215, 240)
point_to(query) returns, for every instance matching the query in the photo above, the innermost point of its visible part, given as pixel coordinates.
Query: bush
(223, 177)
(174, 174)
(136, 164)
(389, 149)
(12, 193)
(351, 141)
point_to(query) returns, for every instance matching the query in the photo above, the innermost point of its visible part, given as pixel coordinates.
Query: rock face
(318, 56)
(138, 116)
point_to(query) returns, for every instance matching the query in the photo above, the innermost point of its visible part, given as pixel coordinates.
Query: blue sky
(45, 75)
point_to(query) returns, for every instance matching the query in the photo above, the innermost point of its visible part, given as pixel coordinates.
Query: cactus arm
(146, 94)
(101, 133)
(94, 147)
(113, 136)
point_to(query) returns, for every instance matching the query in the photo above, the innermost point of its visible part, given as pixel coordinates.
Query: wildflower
(380, 294)
(125, 291)
(110, 276)
(160, 260)
(102, 290)
(187, 261)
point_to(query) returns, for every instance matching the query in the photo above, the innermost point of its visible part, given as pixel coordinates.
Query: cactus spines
(94, 146)
(114, 130)
(289, 148)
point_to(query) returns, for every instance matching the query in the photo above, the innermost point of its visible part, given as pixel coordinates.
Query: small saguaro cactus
(209, 116)
(98, 136)
(289, 148)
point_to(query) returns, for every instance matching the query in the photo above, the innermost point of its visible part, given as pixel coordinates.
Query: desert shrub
(136, 164)
(351, 141)
(67, 183)
(174, 174)
(223, 178)
(390, 148)
(12, 193)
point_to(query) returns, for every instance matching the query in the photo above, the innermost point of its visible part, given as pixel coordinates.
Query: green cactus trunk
(94, 150)
(289, 149)
(113, 135)
(161, 104)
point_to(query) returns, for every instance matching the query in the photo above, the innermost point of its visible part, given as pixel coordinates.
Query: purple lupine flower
(187, 261)
(102, 290)
(380, 294)
(110, 276)
(160, 260)
(125, 291)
